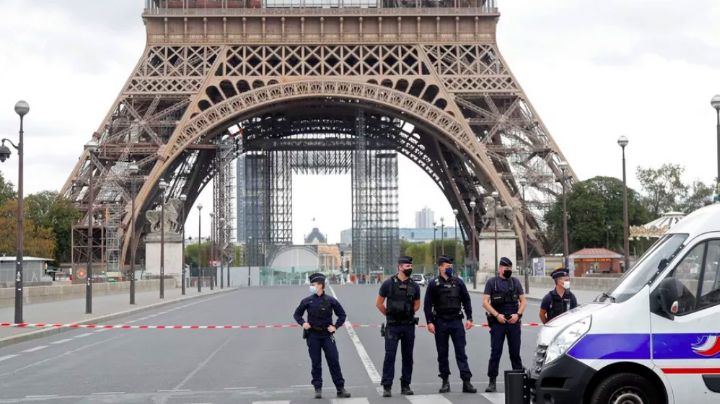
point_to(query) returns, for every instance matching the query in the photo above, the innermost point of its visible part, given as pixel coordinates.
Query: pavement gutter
(15, 339)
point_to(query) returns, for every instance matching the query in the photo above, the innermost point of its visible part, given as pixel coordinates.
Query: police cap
(559, 273)
(317, 277)
(505, 262)
(444, 259)
(405, 260)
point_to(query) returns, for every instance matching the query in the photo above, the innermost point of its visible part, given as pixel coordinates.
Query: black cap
(405, 260)
(505, 262)
(559, 273)
(444, 259)
(317, 277)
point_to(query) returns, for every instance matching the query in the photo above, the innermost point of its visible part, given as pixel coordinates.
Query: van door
(685, 323)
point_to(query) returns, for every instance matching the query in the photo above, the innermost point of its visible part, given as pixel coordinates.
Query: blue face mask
(449, 271)
(313, 289)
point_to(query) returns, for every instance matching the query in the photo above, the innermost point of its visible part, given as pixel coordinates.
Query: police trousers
(446, 330)
(498, 333)
(394, 335)
(317, 342)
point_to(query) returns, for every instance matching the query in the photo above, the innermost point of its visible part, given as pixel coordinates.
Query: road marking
(301, 386)
(108, 393)
(240, 388)
(356, 400)
(272, 402)
(62, 341)
(6, 357)
(428, 399)
(202, 365)
(360, 348)
(495, 398)
(37, 348)
(87, 334)
(42, 396)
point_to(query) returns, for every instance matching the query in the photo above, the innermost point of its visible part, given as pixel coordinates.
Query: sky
(594, 70)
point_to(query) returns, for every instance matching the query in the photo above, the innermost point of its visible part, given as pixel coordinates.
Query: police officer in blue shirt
(319, 332)
(403, 300)
(560, 299)
(445, 298)
(504, 301)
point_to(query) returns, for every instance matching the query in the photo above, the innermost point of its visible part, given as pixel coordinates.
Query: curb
(15, 339)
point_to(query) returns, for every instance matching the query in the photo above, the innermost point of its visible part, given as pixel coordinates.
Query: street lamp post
(21, 108)
(623, 142)
(132, 170)
(495, 196)
(472, 230)
(199, 277)
(566, 248)
(222, 273)
(91, 202)
(715, 102)
(183, 199)
(523, 183)
(442, 235)
(163, 186)
(213, 271)
(434, 247)
(455, 252)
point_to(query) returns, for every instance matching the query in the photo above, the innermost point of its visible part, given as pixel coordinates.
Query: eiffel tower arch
(426, 76)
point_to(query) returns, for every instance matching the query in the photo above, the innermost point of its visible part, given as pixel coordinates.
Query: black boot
(406, 391)
(387, 391)
(342, 393)
(468, 388)
(491, 388)
(318, 392)
(445, 388)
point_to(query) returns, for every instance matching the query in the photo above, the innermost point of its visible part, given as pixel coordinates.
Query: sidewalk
(104, 307)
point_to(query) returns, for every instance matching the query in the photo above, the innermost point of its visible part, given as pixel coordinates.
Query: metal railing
(225, 6)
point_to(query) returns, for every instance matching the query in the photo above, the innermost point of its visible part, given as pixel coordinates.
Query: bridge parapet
(225, 6)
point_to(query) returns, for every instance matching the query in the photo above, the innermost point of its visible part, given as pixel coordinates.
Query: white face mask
(566, 284)
(313, 289)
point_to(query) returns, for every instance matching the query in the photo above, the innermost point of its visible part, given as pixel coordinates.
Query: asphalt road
(232, 366)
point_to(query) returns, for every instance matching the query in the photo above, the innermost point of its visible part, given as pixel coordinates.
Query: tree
(7, 191)
(595, 215)
(663, 188)
(39, 241)
(49, 209)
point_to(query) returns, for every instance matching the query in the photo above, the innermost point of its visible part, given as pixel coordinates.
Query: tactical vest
(498, 298)
(558, 305)
(401, 300)
(322, 310)
(446, 299)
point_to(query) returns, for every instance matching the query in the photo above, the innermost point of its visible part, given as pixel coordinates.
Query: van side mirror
(665, 298)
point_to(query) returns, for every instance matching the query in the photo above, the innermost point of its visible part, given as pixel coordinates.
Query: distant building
(315, 237)
(412, 235)
(33, 270)
(424, 219)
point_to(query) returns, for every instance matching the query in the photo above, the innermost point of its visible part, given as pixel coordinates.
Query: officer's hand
(501, 319)
(331, 329)
(514, 319)
(468, 324)
(431, 328)
(306, 326)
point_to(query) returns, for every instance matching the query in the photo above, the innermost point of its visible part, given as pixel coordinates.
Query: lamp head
(22, 108)
(495, 195)
(563, 166)
(523, 182)
(133, 169)
(473, 204)
(623, 141)
(715, 102)
(163, 185)
(183, 198)
(455, 212)
(199, 207)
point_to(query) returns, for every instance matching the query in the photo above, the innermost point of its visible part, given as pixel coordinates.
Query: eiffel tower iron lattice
(428, 72)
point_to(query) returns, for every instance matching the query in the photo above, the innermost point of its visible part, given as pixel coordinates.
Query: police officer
(445, 298)
(403, 300)
(319, 332)
(504, 301)
(560, 299)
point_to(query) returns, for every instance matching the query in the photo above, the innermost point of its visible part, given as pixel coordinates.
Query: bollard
(517, 389)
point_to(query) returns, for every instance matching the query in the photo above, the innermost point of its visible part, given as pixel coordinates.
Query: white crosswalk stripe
(428, 399)
(352, 400)
(495, 398)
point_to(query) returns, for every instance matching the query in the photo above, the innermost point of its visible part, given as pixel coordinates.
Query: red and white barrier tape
(195, 327)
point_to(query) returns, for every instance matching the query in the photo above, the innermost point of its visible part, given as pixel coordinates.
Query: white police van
(653, 339)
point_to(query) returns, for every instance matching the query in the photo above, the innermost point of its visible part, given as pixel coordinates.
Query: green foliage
(663, 188)
(193, 252)
(7, 190)
(699, 195)
(39, 241)
(422, 253)
(595, 215)
(50, 210)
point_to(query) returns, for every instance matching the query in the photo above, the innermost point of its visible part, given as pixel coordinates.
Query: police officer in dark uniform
(403, 300)
(560, 299)
(319, 331)
(504, 301)
(445, 298)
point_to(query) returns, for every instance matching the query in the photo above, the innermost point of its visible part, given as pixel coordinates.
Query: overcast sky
(594, 70)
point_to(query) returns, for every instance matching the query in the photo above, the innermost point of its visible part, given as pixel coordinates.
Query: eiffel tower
(421, 78)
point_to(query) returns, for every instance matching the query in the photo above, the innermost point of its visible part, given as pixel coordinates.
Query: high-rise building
(424, 219)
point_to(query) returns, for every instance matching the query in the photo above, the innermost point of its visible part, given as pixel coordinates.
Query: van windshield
(650, 264)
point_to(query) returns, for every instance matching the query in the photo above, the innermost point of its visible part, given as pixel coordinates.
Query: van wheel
(625, 388)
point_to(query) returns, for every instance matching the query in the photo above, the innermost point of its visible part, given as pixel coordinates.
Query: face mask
(507, 273)
(313, 289)
(407, 272)
(566, 284)
(449, 272)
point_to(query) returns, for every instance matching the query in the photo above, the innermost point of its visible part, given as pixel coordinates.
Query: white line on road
(495, 398)
(360, 348)
(240, 388)
(202, 365)
(272, 402)
(356, 400)
(108, 393)
(300, 386)
(6, 357)
(37, 348)
(428, 399)
(62, 341)
(87, 334)
(42, 396)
